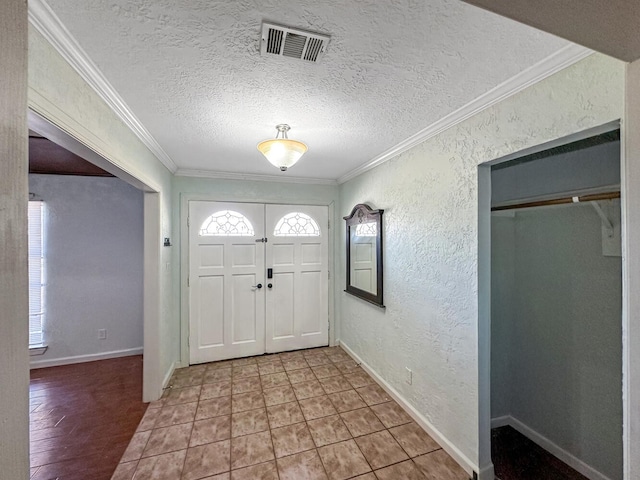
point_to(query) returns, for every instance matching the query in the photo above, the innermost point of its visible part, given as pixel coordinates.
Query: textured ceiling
(191, 71)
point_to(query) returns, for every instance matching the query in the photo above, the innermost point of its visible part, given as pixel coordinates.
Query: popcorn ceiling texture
(191, 71)
(430, 197)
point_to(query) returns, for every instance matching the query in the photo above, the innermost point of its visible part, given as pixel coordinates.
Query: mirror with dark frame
(364, 253)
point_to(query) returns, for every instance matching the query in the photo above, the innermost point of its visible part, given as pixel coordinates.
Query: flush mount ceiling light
(282, 152)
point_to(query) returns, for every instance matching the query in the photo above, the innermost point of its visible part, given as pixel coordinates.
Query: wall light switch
(409, 378)
(102, 334)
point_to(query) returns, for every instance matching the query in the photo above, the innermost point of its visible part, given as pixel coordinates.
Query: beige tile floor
(311, 414)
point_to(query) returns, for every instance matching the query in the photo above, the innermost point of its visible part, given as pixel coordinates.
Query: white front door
(226, 273)
(235, 309)
(297, 293)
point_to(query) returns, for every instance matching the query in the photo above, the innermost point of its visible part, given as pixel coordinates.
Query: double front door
(258, 279)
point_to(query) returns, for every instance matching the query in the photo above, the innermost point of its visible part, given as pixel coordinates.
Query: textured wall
(566, 332)
(430, 199)
(58, 93)
(93, 264)
(14, 310)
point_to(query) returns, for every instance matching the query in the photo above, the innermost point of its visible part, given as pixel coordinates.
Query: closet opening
(556, 312)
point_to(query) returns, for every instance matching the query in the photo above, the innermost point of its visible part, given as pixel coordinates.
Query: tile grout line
(270, 427)
(186, 453)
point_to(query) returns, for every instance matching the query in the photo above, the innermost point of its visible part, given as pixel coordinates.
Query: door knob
(269, 285)
(258, 286)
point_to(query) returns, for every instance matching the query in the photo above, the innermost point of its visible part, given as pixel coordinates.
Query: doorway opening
(556, 311)
(151, 246)
(85, 260)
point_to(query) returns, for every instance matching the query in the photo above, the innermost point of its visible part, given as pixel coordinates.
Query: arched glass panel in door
(227, 223)
(296, 224)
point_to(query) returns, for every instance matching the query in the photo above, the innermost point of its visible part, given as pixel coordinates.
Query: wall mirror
(364, 253)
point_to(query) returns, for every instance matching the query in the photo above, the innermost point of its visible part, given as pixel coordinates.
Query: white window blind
(36, 272)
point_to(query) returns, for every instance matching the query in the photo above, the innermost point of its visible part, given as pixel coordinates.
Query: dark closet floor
(515, 457)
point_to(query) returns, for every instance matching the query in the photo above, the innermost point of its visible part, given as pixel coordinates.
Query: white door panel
(209, 311)
(225, 264)
(283, 322)
(229, 316)
(297, 302)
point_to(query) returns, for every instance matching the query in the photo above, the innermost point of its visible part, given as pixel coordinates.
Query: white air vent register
(292, 43)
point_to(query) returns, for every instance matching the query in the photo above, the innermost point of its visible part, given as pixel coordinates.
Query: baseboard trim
(92, 357)
(449, 447)
(557, 451)
(502, 421)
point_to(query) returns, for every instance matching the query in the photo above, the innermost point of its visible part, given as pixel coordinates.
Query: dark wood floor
(83, 417)
(515, 457)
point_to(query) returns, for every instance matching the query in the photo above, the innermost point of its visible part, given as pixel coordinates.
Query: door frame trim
(185, 198)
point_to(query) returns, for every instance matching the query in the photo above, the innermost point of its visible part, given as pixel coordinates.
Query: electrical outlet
(102, 334)
(409, 378)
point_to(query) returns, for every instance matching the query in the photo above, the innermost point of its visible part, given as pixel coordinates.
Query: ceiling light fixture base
(282, 128)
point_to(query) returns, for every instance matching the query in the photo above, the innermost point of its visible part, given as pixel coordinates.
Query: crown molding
(555, 62)
(185, 172)
(46, 22)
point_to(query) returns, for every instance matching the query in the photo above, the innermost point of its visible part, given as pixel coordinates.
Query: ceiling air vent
(292, 43)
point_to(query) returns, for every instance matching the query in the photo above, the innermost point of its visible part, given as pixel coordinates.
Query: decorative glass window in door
(226, 223)
(297, 224)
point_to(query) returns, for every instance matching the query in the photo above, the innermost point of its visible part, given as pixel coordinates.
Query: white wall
(58, 93)
(14, 310)
(430, 197)
(93, 265)
(564, 332)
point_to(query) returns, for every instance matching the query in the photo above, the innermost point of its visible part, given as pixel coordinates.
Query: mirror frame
(363, 213)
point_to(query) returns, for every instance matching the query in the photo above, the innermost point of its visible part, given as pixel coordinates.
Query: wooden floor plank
(83, 416)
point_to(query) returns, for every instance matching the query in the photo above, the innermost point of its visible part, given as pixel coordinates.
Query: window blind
(36, 272)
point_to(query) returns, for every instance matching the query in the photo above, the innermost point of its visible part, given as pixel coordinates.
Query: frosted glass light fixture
(282, 152)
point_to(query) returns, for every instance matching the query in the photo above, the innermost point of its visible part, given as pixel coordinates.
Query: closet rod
(560, 201)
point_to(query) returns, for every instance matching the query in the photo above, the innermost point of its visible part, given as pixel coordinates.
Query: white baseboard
(557, 451)
(502, 421)
(449, 447)
(56, 362)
